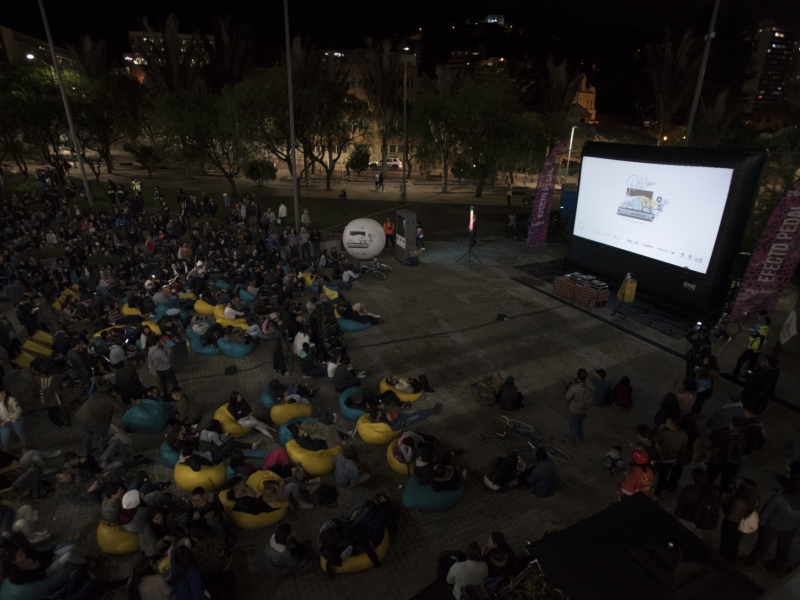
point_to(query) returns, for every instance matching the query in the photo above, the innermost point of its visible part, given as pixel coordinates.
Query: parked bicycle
(527, 432)
(377, 269)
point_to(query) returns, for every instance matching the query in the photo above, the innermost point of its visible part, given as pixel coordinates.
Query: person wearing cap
(602, 388)
(640, 477)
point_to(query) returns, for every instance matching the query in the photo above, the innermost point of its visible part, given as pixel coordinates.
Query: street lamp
(406, 58)
(293, 143)
(30, 56)
(569, 154)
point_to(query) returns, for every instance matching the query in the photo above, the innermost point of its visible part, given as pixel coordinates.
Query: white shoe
(305, 505)
(334, 417)
(39, 537)
(362, 374)
(55, 454)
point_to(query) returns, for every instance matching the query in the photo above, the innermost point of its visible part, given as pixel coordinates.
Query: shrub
(260, 171)
(359, 159)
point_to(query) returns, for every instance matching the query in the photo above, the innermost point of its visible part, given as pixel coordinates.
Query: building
(17, 47)
(495, 20)
(774, 63)
(134, 60)
(582, 109)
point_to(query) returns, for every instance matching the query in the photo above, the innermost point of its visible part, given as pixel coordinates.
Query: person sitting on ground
(622, 394)
(472, 571)
(367, 400)
(400, 420)
(541, 479)
(243, 414)
(509, 397)
(602, 388)
(347, 472)
(206, 510)
(505, 473)
(640, 477)
(285, 555)
(345, 376)
(189, 412)
(158, 533)
(499, 557)
(27, 566)
(308, 364)
(410, 385)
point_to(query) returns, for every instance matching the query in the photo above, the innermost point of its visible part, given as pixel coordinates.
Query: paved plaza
(440, 319)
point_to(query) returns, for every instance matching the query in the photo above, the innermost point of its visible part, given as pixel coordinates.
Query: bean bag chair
(102, 344)
(402, 396)
(112, 328)
(267, 399)
(280, 413)
(247, 521)
(284, 435)
(160, 310)
(127, 310)
(229, 472)
(308, 279)
(209, 477)
(234, 350)
(240, 323)
(103, 291)
(399, 466)
(350, 326)
(169, 457)
(315, 463)
(246, 296)
(229, 424)
(187, 296)
(192, 334)
(375, 433)
(131, 320)
(329, 291)
(351, 414)
(38, 590)
(360, 562)
(113, 539)
(221, 285)
(148, 416)
(423, 497)
(285, 267)
(153, 326)
(201, 307)
(198, 348)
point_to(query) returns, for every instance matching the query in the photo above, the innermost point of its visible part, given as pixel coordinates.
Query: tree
(359, 159)
(554, 97)
(229, 59)
(259, 171)
(12, 122)
(383, 79)
(172, 64)
(673, 74)
(147, 155)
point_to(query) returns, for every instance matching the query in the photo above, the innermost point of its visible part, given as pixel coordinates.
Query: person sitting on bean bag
(246, 500)
(280, 390)
(347, 472)
(158, 533)
(337, 540)
(448, 478)
(367, 400)
(372, 518)
(398, 420)
(409, 441)
(505, 473)
(231, 313)
(360, 309)
(410, 385)
(235, 335)
(321, 434)
(426, 461)
(243, 414)
(207, 453)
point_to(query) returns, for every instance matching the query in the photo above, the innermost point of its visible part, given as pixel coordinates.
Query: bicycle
(377, 269)
(527, 432)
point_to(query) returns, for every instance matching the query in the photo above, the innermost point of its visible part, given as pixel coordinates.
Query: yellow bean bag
(308, 279)
(127, 310)
(336, 313)
(402, 396)
(375, 433)
(153, 326)
(219, 311)
(189, 296)
(400, 467)
(247, 521)
(72, 291)
(201, 307)
(208, 477)
(280, 413)
(330, 293)
(113, 539)
(229, 424)
(315, 463)
(361, 562)
(112, 328)
(240, 323)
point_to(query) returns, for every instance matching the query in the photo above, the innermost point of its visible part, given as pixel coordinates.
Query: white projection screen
(667, 212)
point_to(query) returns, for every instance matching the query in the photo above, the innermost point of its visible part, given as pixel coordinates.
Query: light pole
(406, 58)
(569, 153)
(293, 146)
(702, 73)
(57, 70)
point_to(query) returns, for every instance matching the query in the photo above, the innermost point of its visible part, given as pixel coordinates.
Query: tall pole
(293, 147)
(569, 154)
(57, 69)
(405, 132)
(701, 74)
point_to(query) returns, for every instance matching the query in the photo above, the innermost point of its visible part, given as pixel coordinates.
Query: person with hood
(755, 344)
(510, 398)
(285, 555)
(602, 388)
(779, 519)
(504, 473)
(541, 479)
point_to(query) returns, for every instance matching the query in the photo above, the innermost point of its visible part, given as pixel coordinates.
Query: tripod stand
(470, 255)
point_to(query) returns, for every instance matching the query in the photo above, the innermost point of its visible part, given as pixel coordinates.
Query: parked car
(391, 163)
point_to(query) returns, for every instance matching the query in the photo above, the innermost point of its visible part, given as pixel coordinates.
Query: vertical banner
(773, 261)
(540, 209)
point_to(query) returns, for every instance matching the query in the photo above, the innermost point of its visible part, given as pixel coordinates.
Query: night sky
(599, 32)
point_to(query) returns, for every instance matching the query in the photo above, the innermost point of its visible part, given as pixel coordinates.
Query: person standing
(420, 236)
(625, 296)
(698, 507)
(388, 230)
(639, 478)
(51, 395)
(161, 364)
(281, 213)
(509, 192)
(377, 180)
(277, 345)
(778, 520)
(755, 344)
(726, 454)
(672, 442)
(343, 200)
(380, 182)
(305, 219)
(579, 398)
(511, 225)
(95, 416)
(760, 385)
(744, 501)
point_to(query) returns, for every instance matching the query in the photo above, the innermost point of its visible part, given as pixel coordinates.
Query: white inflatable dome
(363, 239)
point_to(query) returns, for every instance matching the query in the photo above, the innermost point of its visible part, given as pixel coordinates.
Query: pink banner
(773, 261)
(540, 209)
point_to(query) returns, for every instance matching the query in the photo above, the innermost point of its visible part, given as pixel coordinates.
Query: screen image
(670, 213)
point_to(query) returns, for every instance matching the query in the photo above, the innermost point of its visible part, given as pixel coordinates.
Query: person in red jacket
(640, 477)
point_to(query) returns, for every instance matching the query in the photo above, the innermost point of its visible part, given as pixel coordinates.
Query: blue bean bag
(285, 267)
(351, 414)
(101, 342)
(159, 311)
(168, 456)
(148, 417)
(256, 453)
(423, 497)
(139, 345)
(191, 334)
(284, 435)
(102, 290)
(37, 590)
(246, 296)
(198, 348)
(221, 285)
(350, 326)
(267, 399)
(234, 350)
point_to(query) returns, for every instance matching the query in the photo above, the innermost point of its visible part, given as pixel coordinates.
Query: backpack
(508, 398)
(654, 452)
(612, 461)
(586, 398)
(735, 452)
(707, 511)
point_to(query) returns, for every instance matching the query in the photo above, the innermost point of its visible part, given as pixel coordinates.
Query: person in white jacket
(10, 420)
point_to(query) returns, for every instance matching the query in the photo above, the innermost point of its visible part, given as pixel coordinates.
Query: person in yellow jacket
(625, 295)
(755, 344)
